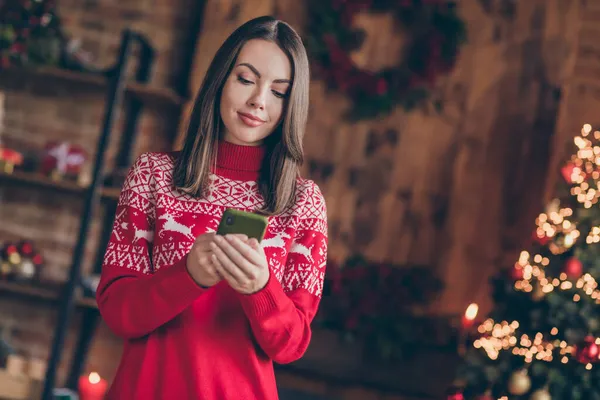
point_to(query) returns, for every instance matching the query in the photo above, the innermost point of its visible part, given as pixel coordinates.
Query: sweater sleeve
(280, 314)
(132, 298)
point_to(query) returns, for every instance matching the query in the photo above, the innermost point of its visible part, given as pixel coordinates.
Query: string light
(533, 267)
(501, 336)
(585, 165)
(554, 223)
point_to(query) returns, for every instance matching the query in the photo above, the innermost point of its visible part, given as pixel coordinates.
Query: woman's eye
(244, 81)
(279, 94)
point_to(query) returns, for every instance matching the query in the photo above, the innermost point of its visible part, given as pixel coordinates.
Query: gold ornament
(519, 383)
(541, 394)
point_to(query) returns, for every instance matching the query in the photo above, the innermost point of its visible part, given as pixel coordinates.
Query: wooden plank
(34, 291)
(148, 93)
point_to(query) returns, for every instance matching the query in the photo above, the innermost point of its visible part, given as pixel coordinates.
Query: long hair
(277, 181)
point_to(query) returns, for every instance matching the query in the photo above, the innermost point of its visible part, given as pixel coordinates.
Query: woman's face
(254, 95)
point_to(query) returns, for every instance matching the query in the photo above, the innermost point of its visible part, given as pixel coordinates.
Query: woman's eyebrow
(253, 69)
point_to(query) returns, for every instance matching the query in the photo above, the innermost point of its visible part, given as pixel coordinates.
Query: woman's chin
(245, 138)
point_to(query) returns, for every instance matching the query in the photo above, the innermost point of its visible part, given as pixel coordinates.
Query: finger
(247, 266)
(229, 266)
(254, 244)
(222, 272)
(241, 236)
(207, 238)
(249, 252)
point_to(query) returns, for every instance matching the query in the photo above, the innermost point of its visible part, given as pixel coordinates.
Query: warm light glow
(94, 378)
(471, 312)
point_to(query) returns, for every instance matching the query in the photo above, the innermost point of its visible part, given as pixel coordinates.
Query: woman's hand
(199, 263)
(242, 264)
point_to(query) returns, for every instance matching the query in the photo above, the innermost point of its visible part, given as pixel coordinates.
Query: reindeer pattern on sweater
(160, 224)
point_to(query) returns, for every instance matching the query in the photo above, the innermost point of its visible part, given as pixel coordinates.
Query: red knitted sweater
(186, 342)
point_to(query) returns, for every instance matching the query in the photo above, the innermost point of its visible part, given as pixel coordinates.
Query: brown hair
(277, 181)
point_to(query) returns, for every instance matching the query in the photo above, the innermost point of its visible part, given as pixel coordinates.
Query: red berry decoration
(516, 273)
(567, 172)
(588, 351)
(455, 393)
(573, 268)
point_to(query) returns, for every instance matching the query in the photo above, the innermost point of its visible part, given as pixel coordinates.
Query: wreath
(436, 32)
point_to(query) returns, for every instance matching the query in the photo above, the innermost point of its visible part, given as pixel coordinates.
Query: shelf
(35, 291)
(145, 92)
(42, 181)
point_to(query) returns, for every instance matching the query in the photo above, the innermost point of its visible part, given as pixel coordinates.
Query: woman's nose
(258, 99)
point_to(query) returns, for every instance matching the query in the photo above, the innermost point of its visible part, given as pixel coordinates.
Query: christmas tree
(542, 339)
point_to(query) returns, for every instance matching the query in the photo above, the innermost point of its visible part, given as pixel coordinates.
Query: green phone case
(236, 221)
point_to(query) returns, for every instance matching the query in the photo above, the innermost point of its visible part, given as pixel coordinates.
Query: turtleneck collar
(239, 162)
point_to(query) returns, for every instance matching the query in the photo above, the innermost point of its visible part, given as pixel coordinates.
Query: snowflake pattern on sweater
(155, 225)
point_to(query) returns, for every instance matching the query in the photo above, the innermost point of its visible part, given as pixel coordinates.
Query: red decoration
(543, 240)
(516, 273)
(435, 30)
(26, 248)
(20, 261)
(573, 268)
(63, 159)
(455, 394)
(368, 300)
(588, 351)
(567, 172)
(9, 159)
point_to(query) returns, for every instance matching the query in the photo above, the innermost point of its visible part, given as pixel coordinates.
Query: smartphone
(247, 223)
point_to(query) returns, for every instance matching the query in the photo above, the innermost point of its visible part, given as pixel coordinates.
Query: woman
(205, 316)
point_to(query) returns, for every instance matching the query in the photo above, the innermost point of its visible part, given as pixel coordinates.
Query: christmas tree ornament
(573, 268)
(540, 237)
(519, 383)
(455, 393)
(516, 272)
(570, 171)
(587, 351)
(541, 394)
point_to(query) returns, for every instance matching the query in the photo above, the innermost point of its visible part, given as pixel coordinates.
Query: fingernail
(229, 237)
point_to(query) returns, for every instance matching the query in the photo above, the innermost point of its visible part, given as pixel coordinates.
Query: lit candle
(92, 387)
(468, 320)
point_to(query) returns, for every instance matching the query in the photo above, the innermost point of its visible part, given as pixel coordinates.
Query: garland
(436, 33)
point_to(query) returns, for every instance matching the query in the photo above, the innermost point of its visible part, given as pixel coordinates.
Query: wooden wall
(456, 192)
